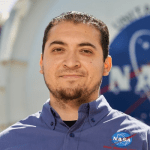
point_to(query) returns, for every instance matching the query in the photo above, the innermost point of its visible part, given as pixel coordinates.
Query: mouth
(71, 76)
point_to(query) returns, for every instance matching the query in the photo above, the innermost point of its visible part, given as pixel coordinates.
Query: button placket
(72, 134)
(52, 123)
(92, 119)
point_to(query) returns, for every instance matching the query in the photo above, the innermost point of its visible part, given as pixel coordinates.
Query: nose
(71, 61)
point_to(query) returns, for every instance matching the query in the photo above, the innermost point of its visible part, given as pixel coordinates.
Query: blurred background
(22, 24)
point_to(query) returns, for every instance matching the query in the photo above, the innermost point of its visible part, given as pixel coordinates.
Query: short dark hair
(79, 17)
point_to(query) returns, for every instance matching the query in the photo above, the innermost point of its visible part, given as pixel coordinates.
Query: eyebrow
(87, 44)
(79, 45)
(57, 42)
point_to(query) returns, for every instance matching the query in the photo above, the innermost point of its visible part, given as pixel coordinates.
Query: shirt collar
(96, 110)
(47, 115)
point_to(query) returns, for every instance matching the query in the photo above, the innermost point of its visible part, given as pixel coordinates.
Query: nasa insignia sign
(127, 88)
(121, 139)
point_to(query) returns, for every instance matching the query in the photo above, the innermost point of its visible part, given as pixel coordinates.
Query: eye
(87, 51)
(57, 50)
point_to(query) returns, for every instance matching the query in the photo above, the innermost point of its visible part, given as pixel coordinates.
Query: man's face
(72, 63)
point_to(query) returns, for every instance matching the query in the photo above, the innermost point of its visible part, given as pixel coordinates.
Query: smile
(71, 76)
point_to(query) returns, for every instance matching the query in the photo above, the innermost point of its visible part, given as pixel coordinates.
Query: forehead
(69, 28)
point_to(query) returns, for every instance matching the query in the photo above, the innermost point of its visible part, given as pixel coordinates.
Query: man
(74, 58)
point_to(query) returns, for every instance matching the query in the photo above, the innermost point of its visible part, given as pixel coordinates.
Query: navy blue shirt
(99, 127)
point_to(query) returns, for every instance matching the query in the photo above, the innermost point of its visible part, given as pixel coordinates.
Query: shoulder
(21, 131)
(118, 123)
(31, 121)
(127, 121)
(123, 122)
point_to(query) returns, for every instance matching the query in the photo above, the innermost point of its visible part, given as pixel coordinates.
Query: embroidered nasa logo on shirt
(122, 139)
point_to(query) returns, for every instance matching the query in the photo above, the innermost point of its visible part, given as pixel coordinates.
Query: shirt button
(52, 123)
(71, 134)
(93, 120)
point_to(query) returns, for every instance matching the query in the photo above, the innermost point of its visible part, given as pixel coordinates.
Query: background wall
(22, 88)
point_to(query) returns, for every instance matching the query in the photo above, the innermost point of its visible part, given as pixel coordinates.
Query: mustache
(68, 71)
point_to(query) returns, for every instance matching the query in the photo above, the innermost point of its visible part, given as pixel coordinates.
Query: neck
(68, 111)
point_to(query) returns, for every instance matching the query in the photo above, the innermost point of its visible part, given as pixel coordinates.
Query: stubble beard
(77, 95)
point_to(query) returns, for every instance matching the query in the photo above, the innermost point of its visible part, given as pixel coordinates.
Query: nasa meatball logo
(122, 139)
(127, 88)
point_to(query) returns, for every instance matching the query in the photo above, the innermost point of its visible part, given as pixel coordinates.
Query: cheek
(95, 68)
(50, 63)
(95, 64)
(49, 68)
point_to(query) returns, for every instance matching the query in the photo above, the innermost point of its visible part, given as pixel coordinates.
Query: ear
(41, 64)
(107, 66)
